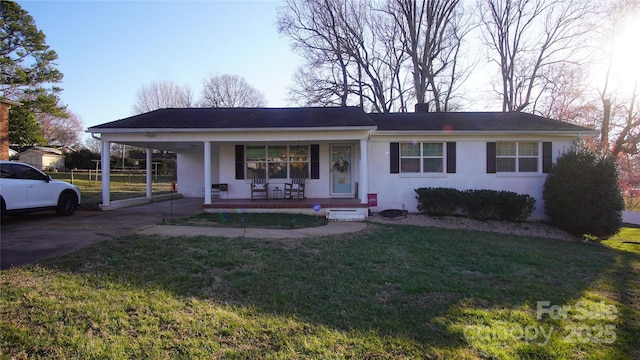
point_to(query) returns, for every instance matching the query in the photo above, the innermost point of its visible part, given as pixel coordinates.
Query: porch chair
(296, 187)
(259, 185)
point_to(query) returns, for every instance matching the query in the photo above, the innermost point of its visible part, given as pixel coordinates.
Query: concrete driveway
(31, 237)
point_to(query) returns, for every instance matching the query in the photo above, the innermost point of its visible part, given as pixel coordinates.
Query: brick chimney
(5, 105)
(422, 107)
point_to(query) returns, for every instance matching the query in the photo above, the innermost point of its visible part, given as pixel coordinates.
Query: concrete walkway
(332, 228)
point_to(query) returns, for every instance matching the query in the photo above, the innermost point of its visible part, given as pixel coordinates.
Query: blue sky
(107, 50)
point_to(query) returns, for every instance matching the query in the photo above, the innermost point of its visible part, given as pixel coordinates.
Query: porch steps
(358, 214)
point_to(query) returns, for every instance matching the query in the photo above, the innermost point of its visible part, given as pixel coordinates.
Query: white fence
(631, 217)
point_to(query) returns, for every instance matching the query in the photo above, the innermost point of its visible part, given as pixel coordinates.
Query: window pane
(256, 153)
(506, 149)
(433, 165)
(409, 149)
(432, 149)
(26, 172)
(7, 171)
(528, 149)
(299, 153)
(298, 170)
(506, 164)
(256, 170)
(410, 165)
(278, 170)
(277, 153)
(528, 164)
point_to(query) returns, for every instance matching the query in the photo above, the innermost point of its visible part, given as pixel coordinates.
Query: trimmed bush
(582, 195)
(477, 204)
(438, 201)
(498, 205)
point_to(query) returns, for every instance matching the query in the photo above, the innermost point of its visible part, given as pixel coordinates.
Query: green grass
(391, 291)
(266, 220)
(123, 186)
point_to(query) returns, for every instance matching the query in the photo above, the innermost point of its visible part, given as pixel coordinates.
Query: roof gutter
(484, 132)
(191, 130)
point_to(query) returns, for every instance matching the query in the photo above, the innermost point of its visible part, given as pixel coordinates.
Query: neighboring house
(43, 158)
(347, 153)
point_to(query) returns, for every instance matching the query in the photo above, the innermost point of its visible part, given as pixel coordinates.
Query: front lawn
(254, 220)
(391, 291)
(123, 186)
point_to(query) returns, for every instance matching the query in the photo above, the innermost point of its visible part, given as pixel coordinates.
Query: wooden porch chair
(259, 185)
(295, 188)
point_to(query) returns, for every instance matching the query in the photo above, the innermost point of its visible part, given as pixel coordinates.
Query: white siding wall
(190, 167)
(190, 170)
(396, 191)
(315, 188)
(191, 177)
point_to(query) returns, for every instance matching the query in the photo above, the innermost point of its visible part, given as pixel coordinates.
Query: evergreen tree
(27, 63)
(24, 130)
(581, 193)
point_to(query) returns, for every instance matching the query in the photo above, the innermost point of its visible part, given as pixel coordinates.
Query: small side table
(277, 193)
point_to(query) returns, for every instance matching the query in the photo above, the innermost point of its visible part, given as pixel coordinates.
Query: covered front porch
(333, 208)
(326, 147)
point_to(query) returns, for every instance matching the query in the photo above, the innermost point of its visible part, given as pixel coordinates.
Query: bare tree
(350, 53)
(60, 131)
(230, 91)
(162, 94)
(566, 96)
(314, 27)
(93, 145)
(370, 53)
(370, 43)
(431, 35)
(528, 36)
(620, 119)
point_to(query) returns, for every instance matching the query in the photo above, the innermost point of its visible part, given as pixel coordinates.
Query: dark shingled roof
(244, 118)
(470, 121)
(336, 117)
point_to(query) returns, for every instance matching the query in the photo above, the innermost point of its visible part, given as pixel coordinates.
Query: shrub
(515, 207)
(477, 204)
(582, 195)
(498, 205)
(438, 201)
(81, 159)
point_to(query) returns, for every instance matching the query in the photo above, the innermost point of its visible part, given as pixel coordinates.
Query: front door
(341, 169)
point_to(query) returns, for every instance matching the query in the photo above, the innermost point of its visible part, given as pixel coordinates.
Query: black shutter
(547, 160)
(491, 158)
(394, 158)
(315, 161)
(451, 157)
(239, 162)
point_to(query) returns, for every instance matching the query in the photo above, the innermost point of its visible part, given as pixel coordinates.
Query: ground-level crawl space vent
(347, 214)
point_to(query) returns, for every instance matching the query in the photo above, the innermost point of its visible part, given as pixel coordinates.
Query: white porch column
(106, 173)
(207, 172)
(149, 174)
(364, 172)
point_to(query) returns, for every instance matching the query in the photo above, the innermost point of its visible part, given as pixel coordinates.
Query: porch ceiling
(173, 146)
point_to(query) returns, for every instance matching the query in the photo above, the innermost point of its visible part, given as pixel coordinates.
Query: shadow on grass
(422, 284)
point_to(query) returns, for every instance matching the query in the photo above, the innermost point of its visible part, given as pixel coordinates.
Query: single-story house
(374, 160)
(44, 158)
